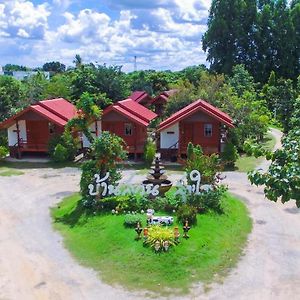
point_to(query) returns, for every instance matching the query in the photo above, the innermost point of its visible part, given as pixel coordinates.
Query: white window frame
(208, 130)
(128, 129)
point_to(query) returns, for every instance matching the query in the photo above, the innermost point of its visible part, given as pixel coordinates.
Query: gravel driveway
(35, 265)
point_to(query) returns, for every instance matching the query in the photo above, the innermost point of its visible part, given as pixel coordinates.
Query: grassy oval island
(103, 243)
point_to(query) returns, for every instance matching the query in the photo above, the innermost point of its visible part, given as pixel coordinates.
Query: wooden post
(18, 137)
(96, 128)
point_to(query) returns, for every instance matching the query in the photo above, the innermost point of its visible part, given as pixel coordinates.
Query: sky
(162, 34)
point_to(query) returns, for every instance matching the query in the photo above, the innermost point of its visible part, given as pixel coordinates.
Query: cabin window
(207, 130)
(128, 129)
(51, 128)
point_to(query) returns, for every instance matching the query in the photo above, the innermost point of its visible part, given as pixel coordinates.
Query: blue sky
(163, 34)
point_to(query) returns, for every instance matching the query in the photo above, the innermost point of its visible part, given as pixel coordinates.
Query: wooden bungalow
(160, 101)
(142, 98)
(129, 120)
(31, 129)
(199, 123)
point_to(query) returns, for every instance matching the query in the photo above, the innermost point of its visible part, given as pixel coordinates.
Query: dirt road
(35, 265)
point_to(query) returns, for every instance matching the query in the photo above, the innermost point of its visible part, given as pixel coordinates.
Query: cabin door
(37, 132)
(186, 136)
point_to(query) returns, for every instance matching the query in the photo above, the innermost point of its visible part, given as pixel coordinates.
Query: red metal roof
(133, 110)
(164, 96)
(61, 107)
(194, 107)
(58, 111)
(140, 96)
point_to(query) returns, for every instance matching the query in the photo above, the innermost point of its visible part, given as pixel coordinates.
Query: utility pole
(135, 65)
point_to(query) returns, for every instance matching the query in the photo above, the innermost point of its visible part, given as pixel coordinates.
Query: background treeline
(253, 48)
(253, 105)
(263, 35)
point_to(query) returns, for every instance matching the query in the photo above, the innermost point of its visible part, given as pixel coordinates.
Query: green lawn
(103, 243)
(4, 171)
(248, 163)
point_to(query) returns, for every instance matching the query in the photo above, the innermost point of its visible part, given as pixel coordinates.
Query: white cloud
(163, 35)
(193, 10)
(24, 19)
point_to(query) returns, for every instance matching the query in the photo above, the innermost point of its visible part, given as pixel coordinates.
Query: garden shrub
(3, 152)
(60, 153)
(208, 200)
(229, 155)
(207, 165)
(89, 169)
(67, 141)
(106, 151)
(149, 152)
(157, 233)
(187, 212)
(3, 138)
(132, 220)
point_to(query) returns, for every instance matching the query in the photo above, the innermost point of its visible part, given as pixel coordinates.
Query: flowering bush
(160, 238)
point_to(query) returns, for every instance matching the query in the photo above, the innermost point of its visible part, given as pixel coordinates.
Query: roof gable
(133, 110)
(194, 107)
(58, 111)
(141, 97)
(60, 107)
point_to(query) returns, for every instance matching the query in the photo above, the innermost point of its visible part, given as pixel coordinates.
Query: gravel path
(35, 265)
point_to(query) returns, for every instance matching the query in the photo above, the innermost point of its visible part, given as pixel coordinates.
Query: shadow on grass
(78, 216)
(230, 168)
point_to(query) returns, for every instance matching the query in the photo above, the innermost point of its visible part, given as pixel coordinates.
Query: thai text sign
(101, 187)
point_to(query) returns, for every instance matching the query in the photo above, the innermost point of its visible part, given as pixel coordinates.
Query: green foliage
(60, 153)
(210, 200)
(35, 86)
(187, 213)
(280, 97)
(251, 148)
(159, 234)
(100, 242)
(229, 38)
(282, 180)
(89, 169)
(11, 96)
(99, 79)
(59, 86)
(67, 141)
(229, 155)
(106, 151)
(208, 166)
(183, 97)
(54, 67)
(132, 220)
(3, 138)
(12, 67)
(149, 152)
(88, 112)
(262, 35)
(241, 80)
(3, 152)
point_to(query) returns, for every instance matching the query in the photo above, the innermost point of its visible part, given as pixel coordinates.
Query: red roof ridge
(137, 109)
(133, 110)
(42, 103)
(46, 111)
(193, 107)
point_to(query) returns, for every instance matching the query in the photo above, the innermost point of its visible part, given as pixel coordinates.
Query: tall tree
(230, 34)
(100, 79)
(54, 67)
(11, 96)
